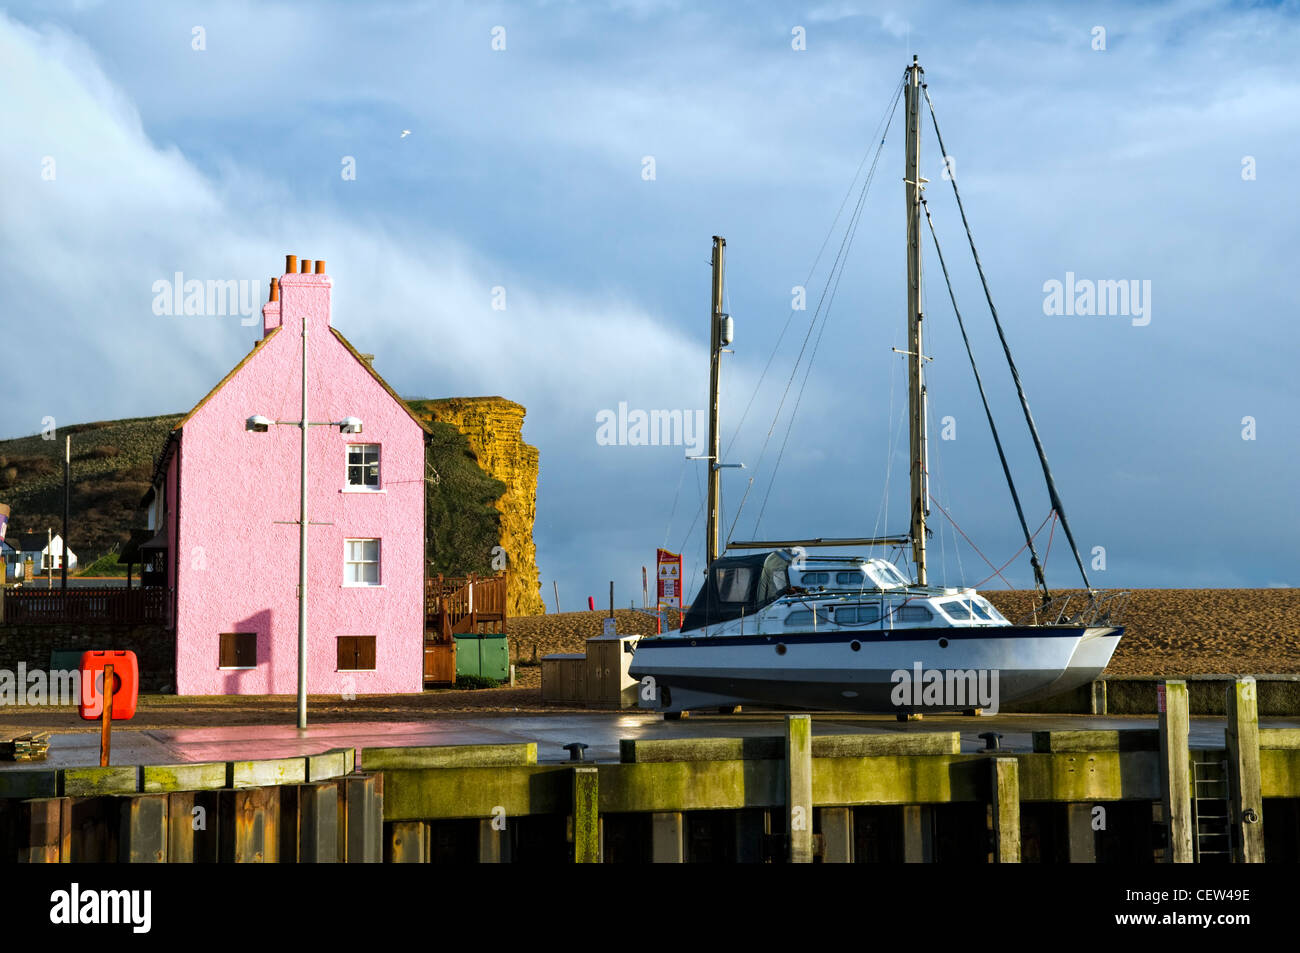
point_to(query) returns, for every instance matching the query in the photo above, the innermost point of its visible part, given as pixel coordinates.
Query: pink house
(226, 503)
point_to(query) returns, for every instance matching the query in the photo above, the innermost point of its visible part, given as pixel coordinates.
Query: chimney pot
(320, 266)
(290, 264)
(306, 266)
(275, 288)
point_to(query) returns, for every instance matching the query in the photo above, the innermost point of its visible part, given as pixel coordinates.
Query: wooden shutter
(229, 650)
(366, 652)
(356, 653)
(238, 650)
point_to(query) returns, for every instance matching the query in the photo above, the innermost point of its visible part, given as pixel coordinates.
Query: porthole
(943, 643)
(855, 646)
(780, 649)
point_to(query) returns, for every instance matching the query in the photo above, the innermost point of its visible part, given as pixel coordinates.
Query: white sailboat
(781, 627)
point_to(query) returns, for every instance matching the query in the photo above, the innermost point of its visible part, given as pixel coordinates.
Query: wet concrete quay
(600, 731)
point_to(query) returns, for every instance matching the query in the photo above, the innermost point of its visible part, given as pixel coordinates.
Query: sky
(519, 200)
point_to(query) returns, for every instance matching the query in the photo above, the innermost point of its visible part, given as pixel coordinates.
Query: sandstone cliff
(493, 427)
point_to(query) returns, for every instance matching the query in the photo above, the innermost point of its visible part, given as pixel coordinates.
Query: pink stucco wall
(237, 567)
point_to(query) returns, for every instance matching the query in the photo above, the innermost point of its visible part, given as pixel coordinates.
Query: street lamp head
(350, 425)
(257, 424)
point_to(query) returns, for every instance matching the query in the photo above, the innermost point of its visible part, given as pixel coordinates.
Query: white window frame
(378, 562)
(348, 485)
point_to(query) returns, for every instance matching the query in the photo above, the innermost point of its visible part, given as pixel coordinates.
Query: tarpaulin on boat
(736, 586)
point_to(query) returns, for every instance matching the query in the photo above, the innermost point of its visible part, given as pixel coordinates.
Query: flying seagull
(405, 133)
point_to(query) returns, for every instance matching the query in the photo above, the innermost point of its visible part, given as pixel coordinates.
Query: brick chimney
(271, 310)
(304, 295)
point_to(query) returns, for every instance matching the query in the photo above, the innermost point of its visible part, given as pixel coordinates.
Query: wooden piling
(192, 822)
(1175, 771)
(44, 831)
(1004, 791)
(586, 816)
(492, 847)
(668, 837)
(318, 823)
(798, 788)
(249, 825)
(1246, 803)
(360, 819)
(143, 829)
(1081, 839)
(918, 833)
(408, 843)
(837, 835)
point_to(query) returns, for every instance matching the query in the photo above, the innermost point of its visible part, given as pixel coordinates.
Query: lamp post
(259, 424)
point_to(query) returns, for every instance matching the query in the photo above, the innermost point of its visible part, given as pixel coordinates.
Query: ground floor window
(356, 653)
(238, 650)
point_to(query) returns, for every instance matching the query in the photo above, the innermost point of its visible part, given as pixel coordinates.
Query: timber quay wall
(1082, 796)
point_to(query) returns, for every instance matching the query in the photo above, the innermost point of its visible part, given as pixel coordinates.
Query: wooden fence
(460, 606)
(86, 606)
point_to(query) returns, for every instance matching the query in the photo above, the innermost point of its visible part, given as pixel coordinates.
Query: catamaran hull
(860, 671)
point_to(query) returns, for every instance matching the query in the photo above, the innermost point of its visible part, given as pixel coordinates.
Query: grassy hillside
(113, 460)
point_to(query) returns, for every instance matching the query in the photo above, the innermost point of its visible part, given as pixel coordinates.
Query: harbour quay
(766, 788)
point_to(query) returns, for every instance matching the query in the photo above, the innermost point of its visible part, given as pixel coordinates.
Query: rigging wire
(885, 120)
(887, 115)
(831, 287)
(1016, 555)
(1039, 578)
(672, 512)
(1015, 375)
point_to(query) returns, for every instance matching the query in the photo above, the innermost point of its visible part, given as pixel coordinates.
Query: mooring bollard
(1175, 770)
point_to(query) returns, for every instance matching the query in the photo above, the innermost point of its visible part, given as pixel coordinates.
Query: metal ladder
(1212, 840)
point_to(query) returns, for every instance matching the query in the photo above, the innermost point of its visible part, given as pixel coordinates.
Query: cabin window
(981, 609)
(363, 466)
(957, 609)
(864, 614)
(238, 650)
(851, 578)
(733, 584)
(361, 562)
(805, 617)
(915, 614)
(815, 578)
(356, 653)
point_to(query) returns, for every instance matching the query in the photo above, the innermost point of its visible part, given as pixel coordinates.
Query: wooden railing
(89, 606)
(455, 606)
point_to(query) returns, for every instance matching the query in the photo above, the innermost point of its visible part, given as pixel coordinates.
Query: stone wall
(493, 426)
(154, 646)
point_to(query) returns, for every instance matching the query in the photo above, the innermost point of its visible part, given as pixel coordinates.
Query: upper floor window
(363, 466)
(361, 562)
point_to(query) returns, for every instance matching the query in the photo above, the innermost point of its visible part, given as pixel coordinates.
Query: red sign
(670, 578)
(1160, 698)
(126, 684)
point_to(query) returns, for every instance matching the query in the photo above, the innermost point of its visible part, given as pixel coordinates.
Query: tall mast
(715, 438)
(915, 356)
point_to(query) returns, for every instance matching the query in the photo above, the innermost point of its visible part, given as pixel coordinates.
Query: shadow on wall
(233, 680)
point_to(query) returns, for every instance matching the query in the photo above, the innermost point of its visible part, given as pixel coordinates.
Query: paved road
(600, 730)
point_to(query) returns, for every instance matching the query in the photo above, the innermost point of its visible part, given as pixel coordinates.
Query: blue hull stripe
(875, 635)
